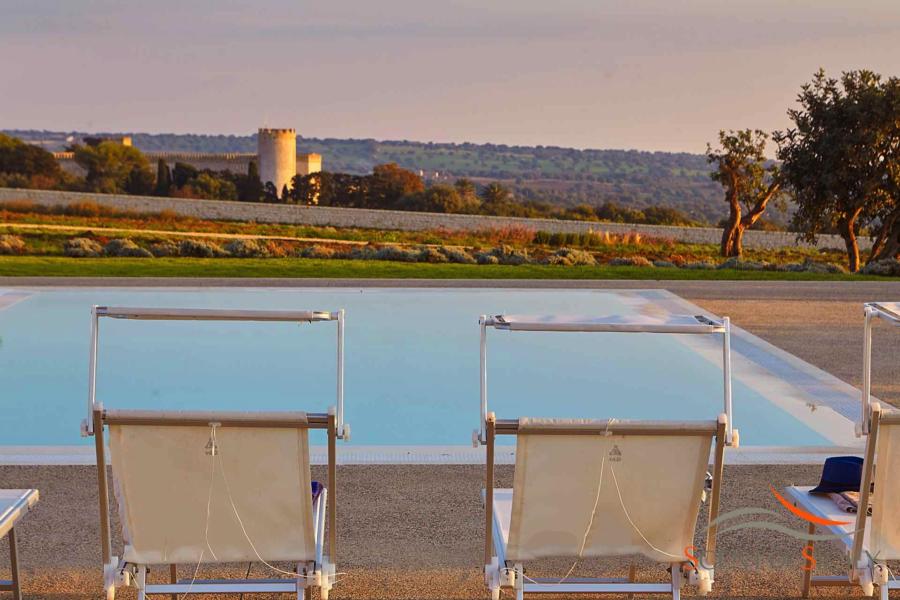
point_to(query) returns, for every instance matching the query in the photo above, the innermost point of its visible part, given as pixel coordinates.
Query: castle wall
(236, 162)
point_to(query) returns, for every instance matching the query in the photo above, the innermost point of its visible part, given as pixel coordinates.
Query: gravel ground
(426, 520)
(415, 531)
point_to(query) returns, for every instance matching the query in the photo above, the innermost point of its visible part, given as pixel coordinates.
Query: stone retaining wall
(392, 219)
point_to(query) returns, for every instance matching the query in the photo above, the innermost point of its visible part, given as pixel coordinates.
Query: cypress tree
(251, 188)
(163, 178)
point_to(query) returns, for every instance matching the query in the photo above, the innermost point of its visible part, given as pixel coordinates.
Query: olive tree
(886, 226)
(749, 179)
(834, 158)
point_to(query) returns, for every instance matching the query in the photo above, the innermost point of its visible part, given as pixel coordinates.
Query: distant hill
(562, 176)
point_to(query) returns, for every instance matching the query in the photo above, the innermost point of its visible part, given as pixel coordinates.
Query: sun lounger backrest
(562, 508)
(163, 476)
(884, 537)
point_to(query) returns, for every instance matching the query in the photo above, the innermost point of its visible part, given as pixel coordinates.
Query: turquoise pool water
(411, 364)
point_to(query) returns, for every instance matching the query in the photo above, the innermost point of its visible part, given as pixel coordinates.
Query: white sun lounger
(588, 488)
(14, 504)
(602, 488)
(869, 541)
(206, 488)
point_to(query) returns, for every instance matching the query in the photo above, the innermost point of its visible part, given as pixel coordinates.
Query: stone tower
(277, 154)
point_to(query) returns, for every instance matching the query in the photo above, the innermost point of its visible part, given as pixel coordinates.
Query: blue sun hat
(840, 474)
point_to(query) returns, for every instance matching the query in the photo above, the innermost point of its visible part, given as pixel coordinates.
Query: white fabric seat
(599, 489)
(175, 498)
(237, 489)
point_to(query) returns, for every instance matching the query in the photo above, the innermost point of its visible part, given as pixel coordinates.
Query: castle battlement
(277, 131)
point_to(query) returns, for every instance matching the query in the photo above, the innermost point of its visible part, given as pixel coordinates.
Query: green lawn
(56, 266)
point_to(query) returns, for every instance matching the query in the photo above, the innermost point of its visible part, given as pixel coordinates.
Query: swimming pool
(411, 365)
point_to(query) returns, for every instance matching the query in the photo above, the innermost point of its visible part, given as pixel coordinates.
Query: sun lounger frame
(332, 422)
(205, 314)
(873, 311)
(493, 542)
(24, 501)
(694, 325)
(864, 572)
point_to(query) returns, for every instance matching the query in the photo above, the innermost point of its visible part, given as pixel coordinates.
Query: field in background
(563, 176)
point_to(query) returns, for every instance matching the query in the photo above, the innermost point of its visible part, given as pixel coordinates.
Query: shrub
(125, 247)
(741, 265)
(573, 257)
(887, 267)
(432, 255)
(555, 259)
(245, 248)
(360, 253)
(630, 261)
(11, 244)
(200, 249)
(164, 248)
(507, 255)
(633, 238)
(486, 258)
(702, 264)
(458, 255)
(82, 248)
(811, 266)
(316, 252)
(277, 248)
(396, 253)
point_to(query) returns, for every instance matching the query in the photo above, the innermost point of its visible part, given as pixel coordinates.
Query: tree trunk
(846, 228)
(730, 233)
(887, 242)
(891, 247)
(738, 248)
(733, 233)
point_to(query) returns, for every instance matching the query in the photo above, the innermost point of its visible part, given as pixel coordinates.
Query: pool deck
(415, 531)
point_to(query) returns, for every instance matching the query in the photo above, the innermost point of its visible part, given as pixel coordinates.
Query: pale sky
(650, 75)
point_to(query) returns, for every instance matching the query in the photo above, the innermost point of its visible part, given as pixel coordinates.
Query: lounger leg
(141, 582)
(173, 578)
(807, 572)
(676, 582)
(520, 582)
(14, 565)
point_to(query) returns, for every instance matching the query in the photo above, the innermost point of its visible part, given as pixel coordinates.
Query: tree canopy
(24, 165)
(840, 157)
(113, 168)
